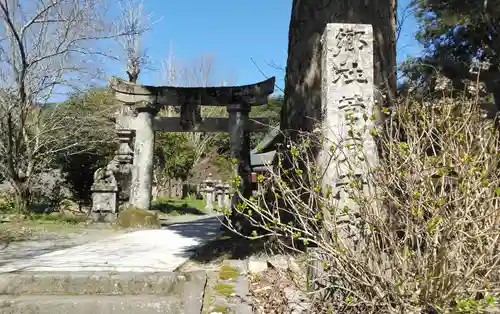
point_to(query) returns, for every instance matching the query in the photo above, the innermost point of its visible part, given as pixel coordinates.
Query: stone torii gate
(128, 178)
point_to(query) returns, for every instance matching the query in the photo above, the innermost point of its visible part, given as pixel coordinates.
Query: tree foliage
(96, 143)
(174, 156)
(461, 40)
(47, 47)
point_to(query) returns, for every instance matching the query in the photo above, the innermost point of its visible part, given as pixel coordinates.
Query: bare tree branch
(134, 22)
(47, 47)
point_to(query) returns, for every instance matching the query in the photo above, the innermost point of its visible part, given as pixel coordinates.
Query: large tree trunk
(22, 197)
(302, 109)
(302, 106)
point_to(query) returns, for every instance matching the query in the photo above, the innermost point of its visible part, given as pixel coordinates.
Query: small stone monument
(209, 193)
(199, 196)
(104, 195)
(227, 196)
(219, 191)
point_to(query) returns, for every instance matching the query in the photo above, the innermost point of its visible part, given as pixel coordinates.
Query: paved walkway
(47, 242)
(139, 251)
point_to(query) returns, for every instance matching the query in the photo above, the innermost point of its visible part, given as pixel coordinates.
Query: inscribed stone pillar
(142, 174)
(349, 149)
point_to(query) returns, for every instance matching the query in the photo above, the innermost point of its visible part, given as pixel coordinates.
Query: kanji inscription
(350, 41)
(347, 103)
(348, 72)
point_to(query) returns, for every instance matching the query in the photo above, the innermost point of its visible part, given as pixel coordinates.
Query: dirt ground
(267, 291)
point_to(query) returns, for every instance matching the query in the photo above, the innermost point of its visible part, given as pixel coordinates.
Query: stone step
(36, 304)
(101, 283)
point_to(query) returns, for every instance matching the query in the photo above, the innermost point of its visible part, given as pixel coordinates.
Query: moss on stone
(220, 309)
(228, 272)
(138, 218)
(224, 289)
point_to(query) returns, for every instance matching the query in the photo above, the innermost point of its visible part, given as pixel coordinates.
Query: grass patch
(138, 218)
(227, 272)
(179, 207)
(29, 229)
(225, 289)
(220, 309)
(59, 218)
(14, 232)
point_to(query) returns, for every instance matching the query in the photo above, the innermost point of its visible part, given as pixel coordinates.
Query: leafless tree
(134, 22)
(200, 73)
(47, 48)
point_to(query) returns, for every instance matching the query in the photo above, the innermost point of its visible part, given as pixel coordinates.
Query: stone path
(51, 241)
(139, 251)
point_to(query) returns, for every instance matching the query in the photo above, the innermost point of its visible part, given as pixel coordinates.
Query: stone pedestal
(142, 173)
(104, 202)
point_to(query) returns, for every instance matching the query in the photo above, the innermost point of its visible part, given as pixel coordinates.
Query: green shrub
(7, 203)
(138, 218)
(418, 234)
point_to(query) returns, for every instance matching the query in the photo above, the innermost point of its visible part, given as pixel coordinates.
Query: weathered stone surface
(208, 125)
(104, 202)
(256, 266)
(159, 96)
(46, 242)
(231, 293)
(219, 192)
(160, 250)
(91, 304)
(347, 101)
(142, 173)
(125, 157)
(209, 190)
(101, 283)
(194, 291)
(104, 194)
(349, 151)
(227, 196)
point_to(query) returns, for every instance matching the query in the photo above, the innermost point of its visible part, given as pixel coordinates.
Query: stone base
(103, 217)
(102, 292)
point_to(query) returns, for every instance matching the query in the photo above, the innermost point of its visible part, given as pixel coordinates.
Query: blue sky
(233, 33)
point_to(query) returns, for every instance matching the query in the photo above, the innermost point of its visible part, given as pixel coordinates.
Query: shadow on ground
(200, 230)
(175, 208)
(228, 246)
(218, 244)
